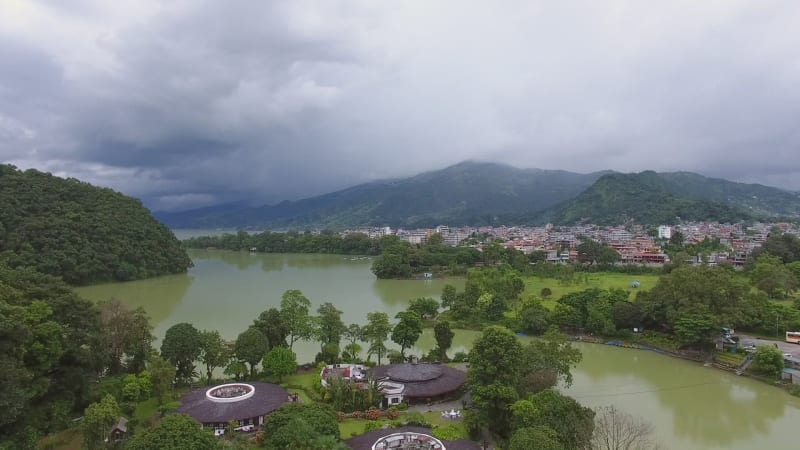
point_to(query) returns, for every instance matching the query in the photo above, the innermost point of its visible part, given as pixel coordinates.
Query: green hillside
(644, 197)
(82, 233)
(469, 193)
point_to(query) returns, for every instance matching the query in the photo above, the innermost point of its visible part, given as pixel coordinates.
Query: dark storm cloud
(187, 103)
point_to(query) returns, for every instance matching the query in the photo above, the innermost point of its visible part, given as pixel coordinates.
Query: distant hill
(82, 233)
(469, 193)
(476, 193)
(651, 198)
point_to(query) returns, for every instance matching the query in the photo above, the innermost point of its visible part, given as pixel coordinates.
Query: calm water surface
(692, 407)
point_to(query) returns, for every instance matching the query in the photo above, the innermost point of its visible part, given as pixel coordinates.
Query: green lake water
(691, 406)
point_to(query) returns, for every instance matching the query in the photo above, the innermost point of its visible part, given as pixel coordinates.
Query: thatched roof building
(422, 381)
(406, 437)
(246, 403)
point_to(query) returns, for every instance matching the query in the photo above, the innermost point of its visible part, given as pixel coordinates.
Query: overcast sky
(187, 102)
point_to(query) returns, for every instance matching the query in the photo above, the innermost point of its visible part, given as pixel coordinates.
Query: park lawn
(355, 427)
(304, 380)
(599, 280)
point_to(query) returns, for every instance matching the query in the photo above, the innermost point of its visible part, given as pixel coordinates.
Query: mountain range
(481, 193)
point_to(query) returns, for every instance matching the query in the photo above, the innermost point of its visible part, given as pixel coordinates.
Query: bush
(370, 426)
(461, 357)
(416, 419)
(392, 413)
(449, 433)
(372, 414)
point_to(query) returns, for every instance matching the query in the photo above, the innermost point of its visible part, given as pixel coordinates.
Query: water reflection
(158, 296)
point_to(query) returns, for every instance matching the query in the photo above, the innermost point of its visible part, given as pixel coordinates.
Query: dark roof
(434, 379)
(365, 441)
(267, 398)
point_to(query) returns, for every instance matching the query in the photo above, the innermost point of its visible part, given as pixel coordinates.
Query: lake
(691, 406)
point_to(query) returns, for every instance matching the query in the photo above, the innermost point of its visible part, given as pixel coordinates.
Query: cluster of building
(636, 244)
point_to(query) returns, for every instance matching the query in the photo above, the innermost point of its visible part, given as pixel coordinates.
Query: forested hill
(82, 233)
(469, 193)
(653, 198)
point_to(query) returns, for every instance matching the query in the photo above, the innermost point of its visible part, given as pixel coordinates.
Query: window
(395, 400)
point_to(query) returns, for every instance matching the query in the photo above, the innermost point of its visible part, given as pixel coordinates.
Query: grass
(146, 410)
(355, 427)
(599, 280)
(70, 439)
(732, 359)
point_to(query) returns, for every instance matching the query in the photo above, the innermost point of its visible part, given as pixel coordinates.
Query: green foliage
(299, 426)
(50, 352)
(272, 324)
(546, 362)
(572, 423)
(295, 314)
(444, 338)
(375, 332)
(591, 252)
(773, 277)
(407, 331)
(348, 397)
(697, 330)
(214, 352)
(425, 307)
(175, 432)
(82, 233)
(182, 346)
(162, 375)
(97, 422)
(329, 327)
(126, 335)
(291, 242)
(768, 360)
(783, 245)
(250, 347)
(279, 362)
(535, 438)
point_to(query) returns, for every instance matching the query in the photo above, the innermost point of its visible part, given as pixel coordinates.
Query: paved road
(785, 347)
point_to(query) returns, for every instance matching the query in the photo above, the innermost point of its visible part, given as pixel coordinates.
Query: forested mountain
(82, 233)
(469, 193)
(473, 193)
(648, 198)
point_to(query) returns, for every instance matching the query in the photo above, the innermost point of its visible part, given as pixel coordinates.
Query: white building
(664, 232)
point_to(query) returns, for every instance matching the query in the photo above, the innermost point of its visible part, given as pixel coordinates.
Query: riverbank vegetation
(81, 233)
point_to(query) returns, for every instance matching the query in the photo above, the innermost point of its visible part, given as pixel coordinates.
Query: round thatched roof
(423, 380)
(265, 399)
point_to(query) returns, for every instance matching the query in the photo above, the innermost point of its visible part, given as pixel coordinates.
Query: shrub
(370, 426)
(449, 433)
(356, 414)
(392, 413)
(416, 419)
(461, 357)
(372, 414)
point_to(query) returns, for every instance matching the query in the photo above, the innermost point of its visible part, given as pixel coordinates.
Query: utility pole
(777, 318)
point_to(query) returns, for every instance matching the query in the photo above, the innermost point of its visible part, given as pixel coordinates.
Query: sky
(187, 103)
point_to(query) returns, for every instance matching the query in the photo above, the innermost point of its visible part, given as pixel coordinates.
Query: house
(247, 404)
(118, 431)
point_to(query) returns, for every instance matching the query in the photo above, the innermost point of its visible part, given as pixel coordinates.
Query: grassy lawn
(355, 427)
(146, 410)
(600, 280)
(306, 380)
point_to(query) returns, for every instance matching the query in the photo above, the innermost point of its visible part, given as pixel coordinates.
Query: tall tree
(535, 438)
(425, 307)
(97, 422)
(376, 332)
(329, 325)
(181, 347)
(280, 362)
(250, 347)
(449, 294)
(407, 331)
(214, 352)
(125, 333)
(492, 379)
(546, 362)
(295, 313)
(162, 375)
(272, 324)
(444, 338)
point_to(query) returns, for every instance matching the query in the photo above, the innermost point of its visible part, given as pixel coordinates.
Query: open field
(600, 280)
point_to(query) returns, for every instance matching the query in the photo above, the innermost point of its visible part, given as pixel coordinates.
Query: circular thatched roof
(264, 399)
(423, 380)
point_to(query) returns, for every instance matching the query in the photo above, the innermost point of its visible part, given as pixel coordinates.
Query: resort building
(407, 438)
(412, 382)
(245, 403)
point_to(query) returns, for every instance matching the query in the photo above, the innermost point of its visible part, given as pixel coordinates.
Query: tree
(293, 423)
(330, 328)
(771, 276)
(444, 338)
(572, 422)
(425, 307)
(697, 330)
(279, 362)
(617, 430)
(407, 331)
(546, 362)
(353, 334)
(535, 438)
(535, 318)
(250, 347)
(125, 333)
(375, 332)
(294, 311)
(214, 352)
(98, 420)
(492, 378)
(768, 360)
(592, 252)
(175, 432)
(162, 375)
(546, 292)
(449, 294)
(181, 347)
(273, 326)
